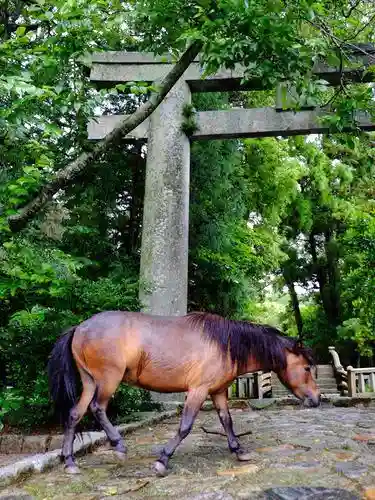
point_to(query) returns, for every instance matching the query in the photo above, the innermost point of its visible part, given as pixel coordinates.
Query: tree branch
(76, 168)
(360, 30)
(352, 8)
(218, 433)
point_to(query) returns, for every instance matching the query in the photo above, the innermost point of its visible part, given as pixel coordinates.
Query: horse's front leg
(220, 401)
(194, 400)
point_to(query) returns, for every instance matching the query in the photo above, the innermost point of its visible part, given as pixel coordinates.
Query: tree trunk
(137, 196)
(321, 277)
(295, 307)
(333, 277)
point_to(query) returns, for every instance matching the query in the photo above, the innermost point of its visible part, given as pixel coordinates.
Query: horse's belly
(155, 380)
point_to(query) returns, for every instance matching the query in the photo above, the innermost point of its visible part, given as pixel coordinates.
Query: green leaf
(20, 31)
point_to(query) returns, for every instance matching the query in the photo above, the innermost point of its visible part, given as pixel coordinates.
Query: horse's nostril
(315, 401)
(312, 401)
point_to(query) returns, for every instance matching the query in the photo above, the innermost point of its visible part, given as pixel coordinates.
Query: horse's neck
(252, 366)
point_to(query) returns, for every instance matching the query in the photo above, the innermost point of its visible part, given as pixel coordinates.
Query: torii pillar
(165, 232)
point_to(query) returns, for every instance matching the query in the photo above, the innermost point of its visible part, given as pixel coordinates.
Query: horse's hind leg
(75, 415)
(99, 405)
(193, 403)
(220, 401)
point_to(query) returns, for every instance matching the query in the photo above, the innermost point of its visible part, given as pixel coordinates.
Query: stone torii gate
(164, 251)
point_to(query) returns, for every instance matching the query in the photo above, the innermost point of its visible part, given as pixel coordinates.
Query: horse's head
(299, 375)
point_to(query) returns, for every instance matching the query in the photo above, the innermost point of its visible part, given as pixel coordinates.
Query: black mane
(242, 339)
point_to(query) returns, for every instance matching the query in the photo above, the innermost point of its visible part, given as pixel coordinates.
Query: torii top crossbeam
(110, 68)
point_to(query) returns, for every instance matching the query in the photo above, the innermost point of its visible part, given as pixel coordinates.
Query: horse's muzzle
(312, 401)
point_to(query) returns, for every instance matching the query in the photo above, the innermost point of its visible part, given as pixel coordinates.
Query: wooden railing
(250, 386)
(351, 382)
(361, 381)
(341, 374)
(264, 383)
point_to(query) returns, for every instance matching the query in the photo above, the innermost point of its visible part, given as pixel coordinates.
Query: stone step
(325, 380)
(324, 367)
(283, 394)
(320, 380)
(327, 385)
(325, 374)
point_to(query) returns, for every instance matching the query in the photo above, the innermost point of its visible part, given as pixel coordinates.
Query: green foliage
(189, 124)
(269, 312)
(228, 257)
(274, 41)
(359, 282)
(11, 401)
(26, 340)
(27, 268)
(128, 399)
(80, 257)
(317, 196)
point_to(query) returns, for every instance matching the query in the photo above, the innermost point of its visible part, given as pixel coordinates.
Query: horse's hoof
(72, 469)
(242, 456)
(159, 469)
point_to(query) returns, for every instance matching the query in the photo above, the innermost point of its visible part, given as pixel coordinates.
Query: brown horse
(199, 353)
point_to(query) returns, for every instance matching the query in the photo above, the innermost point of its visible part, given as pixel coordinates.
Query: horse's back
(132, 335)
(162, 353)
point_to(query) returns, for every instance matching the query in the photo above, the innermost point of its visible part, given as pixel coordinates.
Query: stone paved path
(327, 447)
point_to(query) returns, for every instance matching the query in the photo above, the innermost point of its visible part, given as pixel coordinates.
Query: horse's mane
(242, 339)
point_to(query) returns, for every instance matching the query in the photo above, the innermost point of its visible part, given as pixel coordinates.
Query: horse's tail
(63, 376)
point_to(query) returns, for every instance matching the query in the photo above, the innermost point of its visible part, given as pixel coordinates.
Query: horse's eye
(308, 369)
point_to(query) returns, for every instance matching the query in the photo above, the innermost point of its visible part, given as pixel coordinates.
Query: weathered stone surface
(40, 462)
(299, 465)
(364, 437)
(10, 458)
(11, 443)
(119, 66)
(236, 123)
(344, 455)
(282, 449)
(54, 442)
(238, 471)
(365, 424)
(16, 496)
(99, 127)
(217, 495)
(16, 443)
(164, 254)
(302, 493)
(34, 444)
(351, 470)
(261, 403)
(282, 462)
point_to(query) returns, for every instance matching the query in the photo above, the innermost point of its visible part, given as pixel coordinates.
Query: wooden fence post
(352, 388)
